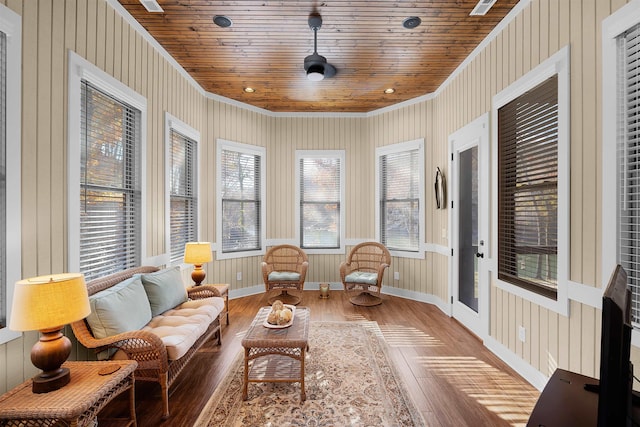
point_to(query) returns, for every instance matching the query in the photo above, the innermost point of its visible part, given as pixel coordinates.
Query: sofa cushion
(165, 289)
(179, 328)
(291, 276)
(121, 308)
(362, 277)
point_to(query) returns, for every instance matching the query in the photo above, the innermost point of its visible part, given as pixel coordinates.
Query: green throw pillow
(121, 308)
(165, 289)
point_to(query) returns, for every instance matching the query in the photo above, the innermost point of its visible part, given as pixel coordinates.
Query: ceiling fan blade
(329, 71)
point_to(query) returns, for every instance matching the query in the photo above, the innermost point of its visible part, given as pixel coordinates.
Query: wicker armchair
(363, 271)
(284, 267)
(142, 346)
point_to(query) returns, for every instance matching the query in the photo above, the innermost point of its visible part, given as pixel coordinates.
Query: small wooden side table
(224, 293)
(77, 403)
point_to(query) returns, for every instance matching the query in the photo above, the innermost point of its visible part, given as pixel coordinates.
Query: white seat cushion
(180, 327)
(362, 277)
(289, 276)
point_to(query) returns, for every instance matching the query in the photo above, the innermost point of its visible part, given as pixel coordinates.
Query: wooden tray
(286, 325)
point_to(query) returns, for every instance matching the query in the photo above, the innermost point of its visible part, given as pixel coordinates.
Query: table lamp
(46, 304)
(197, 253)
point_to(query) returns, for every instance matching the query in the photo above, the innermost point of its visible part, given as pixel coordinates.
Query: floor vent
(482, 7)
(153, 6)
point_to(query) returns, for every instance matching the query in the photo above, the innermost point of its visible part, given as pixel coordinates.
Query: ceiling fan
(315, 65)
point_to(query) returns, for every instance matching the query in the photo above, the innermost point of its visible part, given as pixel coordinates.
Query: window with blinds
(241, 200)
(182, 193)
(528, 189)
(628, 159)
(320, 201)
(399, 195)
(110, 193)
(3, 178)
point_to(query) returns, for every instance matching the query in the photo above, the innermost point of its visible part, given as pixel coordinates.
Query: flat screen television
(616, 369)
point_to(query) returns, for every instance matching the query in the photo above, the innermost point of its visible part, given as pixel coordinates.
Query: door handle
(479, 255)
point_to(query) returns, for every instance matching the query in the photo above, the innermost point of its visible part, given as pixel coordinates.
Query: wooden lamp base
(198, 274)
(49, 354)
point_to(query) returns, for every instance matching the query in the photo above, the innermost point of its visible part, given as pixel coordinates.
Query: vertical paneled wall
(92, 29)
(320, 133)
(540, 30)
(231, 123)
(427, 276)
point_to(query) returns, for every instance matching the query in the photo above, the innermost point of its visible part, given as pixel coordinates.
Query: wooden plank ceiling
(266, 45)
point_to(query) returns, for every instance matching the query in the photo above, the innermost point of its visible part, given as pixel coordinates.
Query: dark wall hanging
(441, 190)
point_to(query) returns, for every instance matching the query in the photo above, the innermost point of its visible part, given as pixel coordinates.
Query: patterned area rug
(350, 381)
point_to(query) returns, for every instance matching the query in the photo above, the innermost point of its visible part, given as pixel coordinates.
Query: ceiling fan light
(315, 73)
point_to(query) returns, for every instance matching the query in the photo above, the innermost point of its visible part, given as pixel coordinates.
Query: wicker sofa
(159, 346)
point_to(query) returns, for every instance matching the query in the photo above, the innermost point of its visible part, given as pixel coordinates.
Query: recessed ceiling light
(222, 21)
(389, 90)
(411, 22)
(249, 89)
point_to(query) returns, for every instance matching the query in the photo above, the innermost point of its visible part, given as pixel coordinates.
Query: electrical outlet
(239, 275)
(396, 275)
(444, 233)
(522, 333)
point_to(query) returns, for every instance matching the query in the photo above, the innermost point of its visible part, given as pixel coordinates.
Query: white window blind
(3, 178)
(528, 189)
(183, 194)
(400, 200)
(110, 193)
(241, 203)
(320, 202)
(629, 161)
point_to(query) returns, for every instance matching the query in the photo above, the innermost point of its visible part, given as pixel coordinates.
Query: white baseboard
(528, 372)
(418, 296)
(259, 289)
(245, 292)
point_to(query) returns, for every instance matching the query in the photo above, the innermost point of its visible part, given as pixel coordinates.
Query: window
(532, 196)
(621, 150)
(182, 174)
(528, 189)
(400, 194)
(320, 194)
(240, 202)
(10, 160)
(105, 173)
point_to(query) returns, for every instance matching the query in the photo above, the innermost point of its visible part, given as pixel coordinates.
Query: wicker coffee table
(276, 355)
(77, 404)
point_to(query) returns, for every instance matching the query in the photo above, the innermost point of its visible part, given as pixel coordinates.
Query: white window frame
(81, 69)
(322, 154)
(223, 144)
(613, 26)
(11, 25)
(398, 148)
(174, 124)
(558, 64)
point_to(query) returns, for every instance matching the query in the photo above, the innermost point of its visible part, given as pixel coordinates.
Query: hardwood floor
(453, 379)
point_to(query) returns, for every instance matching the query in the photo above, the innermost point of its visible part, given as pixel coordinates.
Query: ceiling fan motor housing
(315, 22)
(314, 59)
(316, 63)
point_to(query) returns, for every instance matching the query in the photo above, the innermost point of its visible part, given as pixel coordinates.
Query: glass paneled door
(469, 223)
(469, 248)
